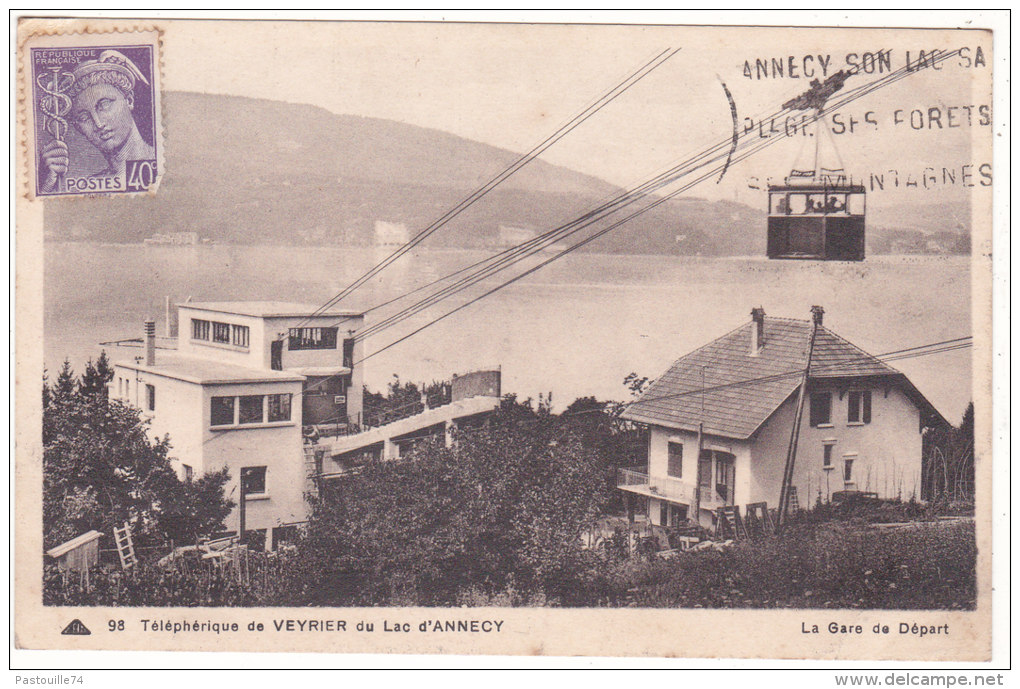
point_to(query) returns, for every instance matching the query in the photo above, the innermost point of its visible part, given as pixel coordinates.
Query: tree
(948, 460)
(197, 508)
(100, 469)
(637, 384)
(65, 386)
(402, 399)
(96, 376)
(503, 508)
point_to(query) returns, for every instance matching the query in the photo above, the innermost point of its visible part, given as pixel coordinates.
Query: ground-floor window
(671, 514)
(285, 534)
(253, 480)
(255, 538)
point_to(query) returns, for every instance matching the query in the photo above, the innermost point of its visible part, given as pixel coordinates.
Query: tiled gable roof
(740, 390)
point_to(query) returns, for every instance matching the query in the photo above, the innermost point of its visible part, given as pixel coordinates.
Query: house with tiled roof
(721, 420)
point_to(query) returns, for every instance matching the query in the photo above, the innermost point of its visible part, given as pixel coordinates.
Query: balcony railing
(637, 480)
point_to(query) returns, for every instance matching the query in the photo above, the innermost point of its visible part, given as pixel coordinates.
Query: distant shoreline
(450, 249)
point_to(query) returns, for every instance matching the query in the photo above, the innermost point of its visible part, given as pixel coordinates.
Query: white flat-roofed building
(244, 379)
(284, 336)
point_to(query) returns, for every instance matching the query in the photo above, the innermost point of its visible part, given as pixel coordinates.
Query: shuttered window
(858, 408)
(675, 460)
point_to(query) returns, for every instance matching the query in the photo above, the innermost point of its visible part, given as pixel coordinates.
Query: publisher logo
(76, 628)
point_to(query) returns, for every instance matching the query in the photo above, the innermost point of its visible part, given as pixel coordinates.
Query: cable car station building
(235, 389)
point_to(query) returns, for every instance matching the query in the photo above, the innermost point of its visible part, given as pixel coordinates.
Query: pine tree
(96, 377)
(65, 387)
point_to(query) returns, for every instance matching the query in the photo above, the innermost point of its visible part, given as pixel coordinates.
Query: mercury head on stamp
(102, 103)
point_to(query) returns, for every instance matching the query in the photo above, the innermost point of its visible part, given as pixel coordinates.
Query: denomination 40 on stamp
(93, 101)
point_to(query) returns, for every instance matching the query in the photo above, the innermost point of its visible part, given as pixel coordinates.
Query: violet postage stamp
(653, 340)
(94, 106)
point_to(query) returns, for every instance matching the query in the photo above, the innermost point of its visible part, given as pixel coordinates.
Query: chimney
(757, 330)
(816, 315)
(150, 342)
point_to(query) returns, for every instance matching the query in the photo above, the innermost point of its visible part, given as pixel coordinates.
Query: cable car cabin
(816, 221)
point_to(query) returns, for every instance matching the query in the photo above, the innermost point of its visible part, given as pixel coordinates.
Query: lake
(574, 328)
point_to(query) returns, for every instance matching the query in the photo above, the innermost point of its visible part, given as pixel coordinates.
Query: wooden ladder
(758, 518)
(793, 507)
(125, 547)
(730, 522)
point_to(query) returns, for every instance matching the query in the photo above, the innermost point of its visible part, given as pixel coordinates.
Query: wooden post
(697, 474)
(241, 502)
(791, 453)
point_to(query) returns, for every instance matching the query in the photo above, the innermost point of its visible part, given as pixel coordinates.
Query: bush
(928, 567)
(188, 582)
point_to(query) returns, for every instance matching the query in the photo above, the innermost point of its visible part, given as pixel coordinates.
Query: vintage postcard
(496, 338)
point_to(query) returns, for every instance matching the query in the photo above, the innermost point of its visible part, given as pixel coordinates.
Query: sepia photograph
(503, 328)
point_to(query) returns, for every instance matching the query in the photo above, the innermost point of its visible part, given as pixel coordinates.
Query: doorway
(276, 355)
(725, 477)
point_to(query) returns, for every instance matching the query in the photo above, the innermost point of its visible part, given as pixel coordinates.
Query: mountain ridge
(249, 170)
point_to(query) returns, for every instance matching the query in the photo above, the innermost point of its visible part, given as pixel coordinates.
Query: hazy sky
(511, 86)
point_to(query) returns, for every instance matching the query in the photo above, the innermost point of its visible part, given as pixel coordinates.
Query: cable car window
(815, 203)
(855, 204)
(798, 203)
(835, 203)
(779, 204)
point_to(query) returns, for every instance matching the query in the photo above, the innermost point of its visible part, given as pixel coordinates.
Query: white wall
(262, 333)
(276, 446)
(250, 357)
(658, 460)
(178, 413)
(888, 459)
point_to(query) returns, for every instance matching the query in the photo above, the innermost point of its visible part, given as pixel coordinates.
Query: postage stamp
(95, 113)
(706, 372)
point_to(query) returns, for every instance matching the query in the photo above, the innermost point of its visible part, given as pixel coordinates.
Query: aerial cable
(693, 157)
(523, 160)
(818, 115)
(853, 95)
